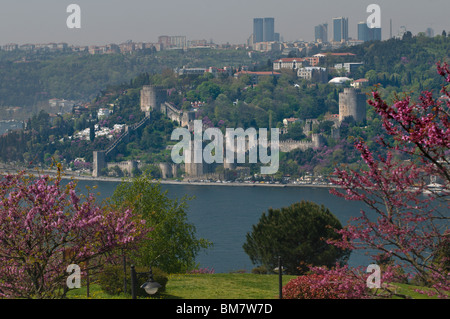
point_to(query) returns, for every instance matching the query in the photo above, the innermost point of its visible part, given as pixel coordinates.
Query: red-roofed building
(217, 71)
(313, 60)
(332, 117)
(289, 121)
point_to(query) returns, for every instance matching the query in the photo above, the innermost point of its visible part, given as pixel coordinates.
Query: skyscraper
(340, 29)
(363, 31)
(375, 34)
(269, 29)
(368, 34)
(321, 33)
(264, 30)
(258, 30)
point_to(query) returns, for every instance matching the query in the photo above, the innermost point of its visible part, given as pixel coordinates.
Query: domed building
(340, 80)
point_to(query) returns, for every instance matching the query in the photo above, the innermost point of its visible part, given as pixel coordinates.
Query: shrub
(111, 279)
(326, 284)
(260, 270)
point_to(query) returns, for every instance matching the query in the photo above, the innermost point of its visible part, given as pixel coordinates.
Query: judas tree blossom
(407, 189)
(46, 226)
(323, 283)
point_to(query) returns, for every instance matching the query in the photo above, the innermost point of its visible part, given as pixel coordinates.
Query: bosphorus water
(224, 215)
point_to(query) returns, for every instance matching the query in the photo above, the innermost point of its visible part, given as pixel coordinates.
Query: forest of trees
(28, 78)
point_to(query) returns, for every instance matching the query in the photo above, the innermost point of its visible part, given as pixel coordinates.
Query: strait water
(225, 214)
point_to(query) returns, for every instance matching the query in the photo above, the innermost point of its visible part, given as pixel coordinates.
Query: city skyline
(224, 22)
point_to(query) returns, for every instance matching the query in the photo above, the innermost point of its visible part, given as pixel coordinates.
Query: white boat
(434, 188)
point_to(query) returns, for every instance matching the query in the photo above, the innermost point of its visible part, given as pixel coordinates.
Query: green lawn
(220, 286)
(206, 286)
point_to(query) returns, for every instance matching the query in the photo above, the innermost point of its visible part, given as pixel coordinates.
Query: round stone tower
(152, 97)
(352, 103)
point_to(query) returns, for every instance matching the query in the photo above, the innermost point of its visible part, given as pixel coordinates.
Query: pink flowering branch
(407, 218)
(41, 221)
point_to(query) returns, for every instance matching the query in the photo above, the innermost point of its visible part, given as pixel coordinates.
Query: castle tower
(187, 118)
(166, 170)
(99, 163)
(174, 168)
(317, 140)
(193, 169)
(152, 97)
(352, 103)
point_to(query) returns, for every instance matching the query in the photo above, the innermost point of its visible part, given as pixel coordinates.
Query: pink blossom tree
(41, 220)
(408, 215)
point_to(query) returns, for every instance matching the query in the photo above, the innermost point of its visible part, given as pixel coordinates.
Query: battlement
(183, 118)
(317, 141)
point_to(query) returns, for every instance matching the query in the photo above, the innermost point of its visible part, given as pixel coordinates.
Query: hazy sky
(114, 21)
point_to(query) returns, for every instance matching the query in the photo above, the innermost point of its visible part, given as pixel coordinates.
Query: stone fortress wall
(352, 103)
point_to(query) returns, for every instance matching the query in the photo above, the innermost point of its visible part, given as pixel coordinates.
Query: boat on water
(434, 188)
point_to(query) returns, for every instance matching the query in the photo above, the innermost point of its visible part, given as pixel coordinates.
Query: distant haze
(113, 21)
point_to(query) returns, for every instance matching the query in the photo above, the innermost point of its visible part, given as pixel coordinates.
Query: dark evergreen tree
(92, 132)
(298, 234)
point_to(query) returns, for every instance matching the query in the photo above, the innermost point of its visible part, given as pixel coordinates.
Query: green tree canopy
(173, 244)
(298, 234)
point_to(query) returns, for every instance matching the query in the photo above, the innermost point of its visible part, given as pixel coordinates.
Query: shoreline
(167, 182)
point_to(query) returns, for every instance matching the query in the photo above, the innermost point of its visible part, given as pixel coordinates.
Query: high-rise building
(321, 33)
(258, 30)
(173, 41)
(340, 29)
(362, 31)
(277, 37)
(269, 29)
(368, 34)
(264, 30)
(375, 34)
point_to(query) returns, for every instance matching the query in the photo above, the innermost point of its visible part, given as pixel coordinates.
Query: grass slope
(219, 286)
